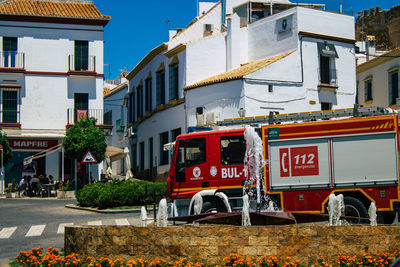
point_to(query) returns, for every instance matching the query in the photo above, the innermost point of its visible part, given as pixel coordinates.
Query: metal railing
(328, 77)
(12, 59)
(81, 63)
(10, 116)
(73, 115)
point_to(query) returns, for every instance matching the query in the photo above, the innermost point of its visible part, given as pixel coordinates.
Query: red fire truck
(357, 156)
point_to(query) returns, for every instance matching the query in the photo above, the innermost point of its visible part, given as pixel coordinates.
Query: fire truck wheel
(356, 209)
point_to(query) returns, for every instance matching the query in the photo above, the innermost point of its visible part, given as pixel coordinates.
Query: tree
(7, 151)
(84, 136)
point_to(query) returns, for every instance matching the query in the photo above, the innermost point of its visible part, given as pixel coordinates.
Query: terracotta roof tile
(238, 73)
(52, 8)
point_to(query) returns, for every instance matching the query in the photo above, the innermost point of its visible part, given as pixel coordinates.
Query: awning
(114, 153)
(327, 50)
(42, 154)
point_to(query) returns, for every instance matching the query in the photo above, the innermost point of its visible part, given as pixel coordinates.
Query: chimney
(366, 12)
(378, 9)
(233, 42)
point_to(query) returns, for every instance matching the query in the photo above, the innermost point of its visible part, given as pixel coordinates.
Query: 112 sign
(299, 161)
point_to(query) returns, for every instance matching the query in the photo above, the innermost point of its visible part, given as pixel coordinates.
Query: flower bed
(53, 257)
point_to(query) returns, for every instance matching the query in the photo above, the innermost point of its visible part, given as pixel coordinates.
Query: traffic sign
(89, 158)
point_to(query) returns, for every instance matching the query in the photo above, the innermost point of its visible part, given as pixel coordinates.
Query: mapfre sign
(35, 144)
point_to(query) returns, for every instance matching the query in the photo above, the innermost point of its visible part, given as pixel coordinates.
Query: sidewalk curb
(73, 206)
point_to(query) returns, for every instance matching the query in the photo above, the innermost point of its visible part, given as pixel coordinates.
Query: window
(327, 72)
(81, 55)
(132, 107)
(10, 47)
(326, 106)
(368, 89)
(163, 154)
(195, 151)
(151, 155)
(173, 82)
(148, 101)
(175, 133)
(10, 106)
(160, 80)
(233, 149)
(108, 118)
(270, 88)
(81, 105)
(141, 156)
(139, 100)
(393, 87)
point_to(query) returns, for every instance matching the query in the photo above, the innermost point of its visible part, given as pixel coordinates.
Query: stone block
(224, 251)
(119, 240)
(267, 251)
(258, 240)
(247, 251)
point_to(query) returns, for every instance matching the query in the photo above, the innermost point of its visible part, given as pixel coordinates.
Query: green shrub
(121, 193)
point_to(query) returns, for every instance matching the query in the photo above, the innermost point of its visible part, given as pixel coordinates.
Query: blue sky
(138, 26)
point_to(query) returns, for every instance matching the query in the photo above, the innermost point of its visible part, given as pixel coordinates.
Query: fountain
(245, 211)
(143, 216)
(162, 214)
(335, 209)
(372, 214)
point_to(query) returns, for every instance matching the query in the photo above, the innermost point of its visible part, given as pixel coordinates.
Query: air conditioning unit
(200, 119)
(212, 118)
(208, 27)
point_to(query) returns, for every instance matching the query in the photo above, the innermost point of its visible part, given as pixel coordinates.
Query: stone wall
(212, 243)
(384, 24)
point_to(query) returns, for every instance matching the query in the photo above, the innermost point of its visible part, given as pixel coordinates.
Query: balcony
(81, 65)
(327, 78)
(73, 115)
(12, 61)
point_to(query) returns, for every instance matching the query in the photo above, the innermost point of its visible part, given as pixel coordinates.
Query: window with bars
(368, 90)
(139, 101)
(81, 55)
(173, 82)
(393, 86)
(9, 106)
(163, 154)
(131, 107)
(148, 102)
(10, 47)
(160, 83)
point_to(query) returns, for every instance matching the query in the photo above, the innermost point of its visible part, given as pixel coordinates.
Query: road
(28, 223)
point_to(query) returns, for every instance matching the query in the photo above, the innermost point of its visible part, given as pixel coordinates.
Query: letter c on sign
(284, 162)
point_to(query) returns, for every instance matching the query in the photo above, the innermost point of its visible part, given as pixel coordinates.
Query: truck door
(190, 162)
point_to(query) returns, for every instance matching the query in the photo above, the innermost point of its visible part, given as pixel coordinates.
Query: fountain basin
(208, 243)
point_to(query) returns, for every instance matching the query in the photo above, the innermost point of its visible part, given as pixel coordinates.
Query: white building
(378, 80)
(51, 71)
(115, 112)
(298, 59)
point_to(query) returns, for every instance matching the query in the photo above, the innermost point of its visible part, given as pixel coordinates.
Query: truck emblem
(213, 171)
(196, 172)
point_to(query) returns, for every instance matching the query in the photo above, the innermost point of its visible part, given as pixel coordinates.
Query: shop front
(23, 149)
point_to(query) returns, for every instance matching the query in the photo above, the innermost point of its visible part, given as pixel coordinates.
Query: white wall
(196, 30)
(265, 40)
(205, 58)
(223, 98)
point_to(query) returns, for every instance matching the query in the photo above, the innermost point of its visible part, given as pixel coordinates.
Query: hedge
(120, 193)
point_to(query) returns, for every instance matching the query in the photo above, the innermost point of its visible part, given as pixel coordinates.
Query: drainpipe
(223, 12)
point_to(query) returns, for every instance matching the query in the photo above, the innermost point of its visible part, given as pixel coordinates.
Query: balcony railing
(81, 63)
(10, 116)
(12, 59)
(328, 77)
(74, 115)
